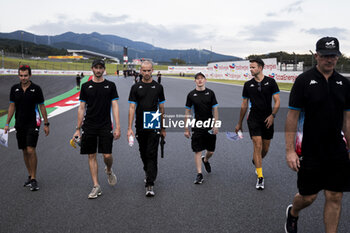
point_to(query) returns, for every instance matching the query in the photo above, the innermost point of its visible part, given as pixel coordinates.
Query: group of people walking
(321, 93)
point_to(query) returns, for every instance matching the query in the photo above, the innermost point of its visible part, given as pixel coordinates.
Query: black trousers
(148, 145)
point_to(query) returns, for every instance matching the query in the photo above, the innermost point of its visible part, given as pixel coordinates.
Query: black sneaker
(34, 185)
(206, 165)
(199, 179)
(291, 225)
(27, 183)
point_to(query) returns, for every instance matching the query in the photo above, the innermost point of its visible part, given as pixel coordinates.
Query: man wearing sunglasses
(25, 98)
(324, 95)
(260, 91)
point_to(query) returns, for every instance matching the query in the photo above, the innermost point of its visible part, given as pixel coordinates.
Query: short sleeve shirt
(324, 103)
(202, 103)
(147, 97)
(260, 97)
(98, 98)
(26, 103)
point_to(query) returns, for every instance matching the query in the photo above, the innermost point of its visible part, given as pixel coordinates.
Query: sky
(231, 27)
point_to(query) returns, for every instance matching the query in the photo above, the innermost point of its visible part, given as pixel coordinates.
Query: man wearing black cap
(25, 98)
(205, 107)
(259, 91)
(324, 95)
(97, 98)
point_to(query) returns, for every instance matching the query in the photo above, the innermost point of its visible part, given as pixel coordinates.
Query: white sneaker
(260, 183)
(149, 191)
(112, 178)
(95, 192)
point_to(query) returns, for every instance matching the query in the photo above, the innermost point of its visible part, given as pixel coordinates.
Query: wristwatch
(47, 124)
(274, 115)
(77, 128)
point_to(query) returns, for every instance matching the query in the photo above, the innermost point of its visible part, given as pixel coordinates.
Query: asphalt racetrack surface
(227, 201)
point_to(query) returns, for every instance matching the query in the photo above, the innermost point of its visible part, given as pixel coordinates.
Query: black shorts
(203, 141)
(329, 176)
(258, 128)
(91, 141)
(27, 137)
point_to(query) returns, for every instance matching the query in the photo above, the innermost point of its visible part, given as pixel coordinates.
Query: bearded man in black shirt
(97, 98)
(25, 98)
(260, 91)
(147, 97)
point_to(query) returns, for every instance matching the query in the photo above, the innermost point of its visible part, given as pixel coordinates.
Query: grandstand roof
(87, 53)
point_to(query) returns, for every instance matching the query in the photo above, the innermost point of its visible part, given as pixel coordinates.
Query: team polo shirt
(98, 98)
(27, 113)
(260, 97)
(324, 103)
(147, 97)
(202, 103)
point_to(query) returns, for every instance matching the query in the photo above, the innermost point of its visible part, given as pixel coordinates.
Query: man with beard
(147, 96)
(25, 98)
(259, 91)
(97, 98)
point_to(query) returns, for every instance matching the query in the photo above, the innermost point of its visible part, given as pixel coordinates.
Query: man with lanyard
(147, 96)
(204, 104)
(98, 100)
(324, 95)
(24, 100)
(259, 91)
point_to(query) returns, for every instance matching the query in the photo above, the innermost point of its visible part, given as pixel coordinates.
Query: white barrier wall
(185, 69)
(237, 70)
(48, 72)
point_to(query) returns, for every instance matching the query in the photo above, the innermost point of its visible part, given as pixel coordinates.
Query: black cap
(98, 62)
(199, 73)
(328, 46)
(258, 60)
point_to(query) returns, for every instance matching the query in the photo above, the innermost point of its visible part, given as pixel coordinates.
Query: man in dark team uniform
(159, 76)
(99, 97)
(77, 80)
(259, 91)
(205, 106)
(147, 96)
(324, 95)
(25, 98)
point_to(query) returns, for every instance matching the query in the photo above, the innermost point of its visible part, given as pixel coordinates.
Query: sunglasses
(25, 66)
(259, 87)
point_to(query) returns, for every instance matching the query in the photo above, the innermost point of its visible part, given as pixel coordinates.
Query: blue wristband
(6, 124)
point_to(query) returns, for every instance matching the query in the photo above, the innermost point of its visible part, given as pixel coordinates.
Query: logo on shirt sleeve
(151, 120)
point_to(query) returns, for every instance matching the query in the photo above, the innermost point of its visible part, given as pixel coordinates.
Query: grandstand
(90, 54)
